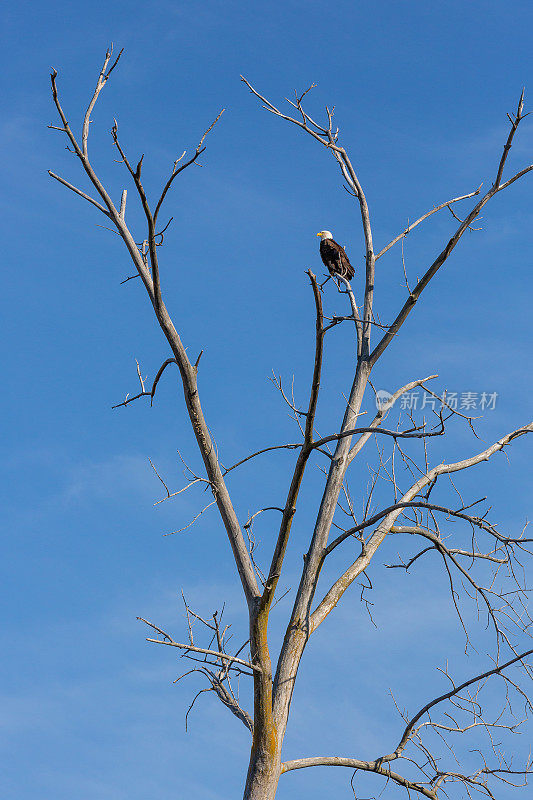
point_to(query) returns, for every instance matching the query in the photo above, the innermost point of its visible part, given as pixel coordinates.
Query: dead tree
(489, 568)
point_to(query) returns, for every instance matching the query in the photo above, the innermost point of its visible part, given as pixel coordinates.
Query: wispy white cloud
(108, 478)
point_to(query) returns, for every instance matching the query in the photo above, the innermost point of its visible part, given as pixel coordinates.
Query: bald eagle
(334, 256)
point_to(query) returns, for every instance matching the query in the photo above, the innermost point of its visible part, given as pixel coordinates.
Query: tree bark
(265, 758)
(263, 776)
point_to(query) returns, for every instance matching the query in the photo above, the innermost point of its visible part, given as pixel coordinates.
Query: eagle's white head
(325, 234)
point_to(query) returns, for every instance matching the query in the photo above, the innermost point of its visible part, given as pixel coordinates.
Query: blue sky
(421, 92)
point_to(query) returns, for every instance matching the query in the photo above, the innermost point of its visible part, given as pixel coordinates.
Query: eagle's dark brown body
(335, 259)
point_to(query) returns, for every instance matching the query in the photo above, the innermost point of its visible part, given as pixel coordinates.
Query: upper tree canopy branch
(515, 120)
(307, 447)
(151, 393)
(77, 191)
(320, 133)
(328, 137)
(102, 79)
(188, 371)
(288, 446)
(176, 170)
(343, 159)
(152, 246)
(444, 254)
(413, 225)
(112, 212)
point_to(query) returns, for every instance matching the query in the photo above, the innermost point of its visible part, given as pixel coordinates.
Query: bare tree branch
(385, 407)
(446, 696)
(333, 596)
(187, 370)
(307, 447)
(444, 254)
(151, 393)
(355, 763)
(176, 170)
(89, 199)
(168, 640)
(434, 210)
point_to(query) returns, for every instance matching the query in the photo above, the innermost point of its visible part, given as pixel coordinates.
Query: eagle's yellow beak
(319, 233)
